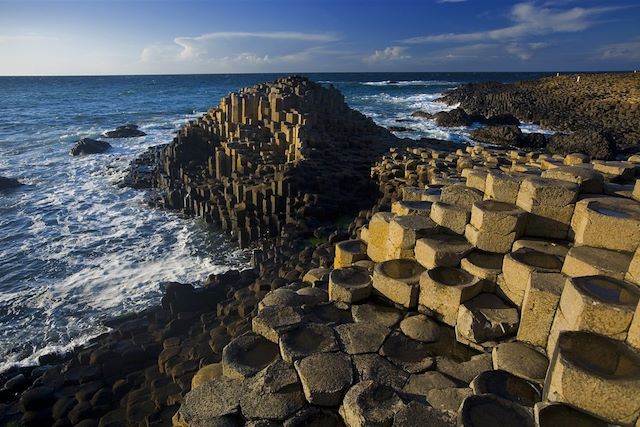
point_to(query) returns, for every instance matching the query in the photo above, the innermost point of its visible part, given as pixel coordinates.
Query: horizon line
(318, 72)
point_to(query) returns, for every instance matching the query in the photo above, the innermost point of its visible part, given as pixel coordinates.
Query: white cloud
(528, 19)
(25, 37)
(391, 53)
(524, 51)
(193, 47)
(627, 50)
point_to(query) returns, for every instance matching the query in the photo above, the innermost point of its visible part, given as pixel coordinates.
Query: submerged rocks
(126, 131)
(89, 146)
(6, 183)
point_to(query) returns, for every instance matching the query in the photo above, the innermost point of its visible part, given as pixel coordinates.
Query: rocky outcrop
(498, 135)
(596, 143)
(6, 183)
(568, 103)
(287, 152)
(125, 131)
(453, 118)
(508, 135)
(89, 146)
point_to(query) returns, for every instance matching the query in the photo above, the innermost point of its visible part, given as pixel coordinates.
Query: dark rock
(533, 140)
(89, 146)
(6, 183)
(597, 144)
(422, 115)
(36, 397)
(454, 118)
(498, 135)
(399, 129)
(126, 131)
(502, 120)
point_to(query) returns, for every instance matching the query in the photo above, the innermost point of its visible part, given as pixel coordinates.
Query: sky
(95, 37)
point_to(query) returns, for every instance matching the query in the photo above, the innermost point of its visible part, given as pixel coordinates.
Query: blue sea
(76, 249)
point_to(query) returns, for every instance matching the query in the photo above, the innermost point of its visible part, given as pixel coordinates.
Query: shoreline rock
(605, 102)
(89, 146)
(125, 131)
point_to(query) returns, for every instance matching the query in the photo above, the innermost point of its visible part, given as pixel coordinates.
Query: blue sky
(237, 36)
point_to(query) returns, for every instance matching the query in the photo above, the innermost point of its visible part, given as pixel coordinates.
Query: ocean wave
(410, 83)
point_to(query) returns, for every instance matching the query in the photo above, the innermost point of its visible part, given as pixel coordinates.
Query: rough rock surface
(569, 103)
(89, 146)
(125, 131)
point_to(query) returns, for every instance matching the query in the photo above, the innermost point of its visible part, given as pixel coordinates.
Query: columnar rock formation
(269, 155)
(486, 289)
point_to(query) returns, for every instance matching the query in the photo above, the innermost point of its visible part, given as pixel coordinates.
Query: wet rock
(89, 146)
(422, 114)
(453, 118)
(6, 183)
(125, 131)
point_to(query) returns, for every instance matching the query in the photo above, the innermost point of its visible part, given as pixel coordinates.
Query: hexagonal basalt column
(443, 289)
(441, 250)
(596, 374)
(485, 265)
(550, 204)
(404, 231)
(595, 219)
(495, 226)
(378, 235)
(398, 279)
(518, 267)
(596, 304)
(452, 217)
(348, 252)
(350, 285)
(246, 355)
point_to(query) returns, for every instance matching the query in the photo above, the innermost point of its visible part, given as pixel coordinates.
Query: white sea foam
(88, 250)
(410, 83)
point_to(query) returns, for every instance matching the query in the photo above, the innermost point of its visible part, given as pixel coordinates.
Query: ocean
(77, 249)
